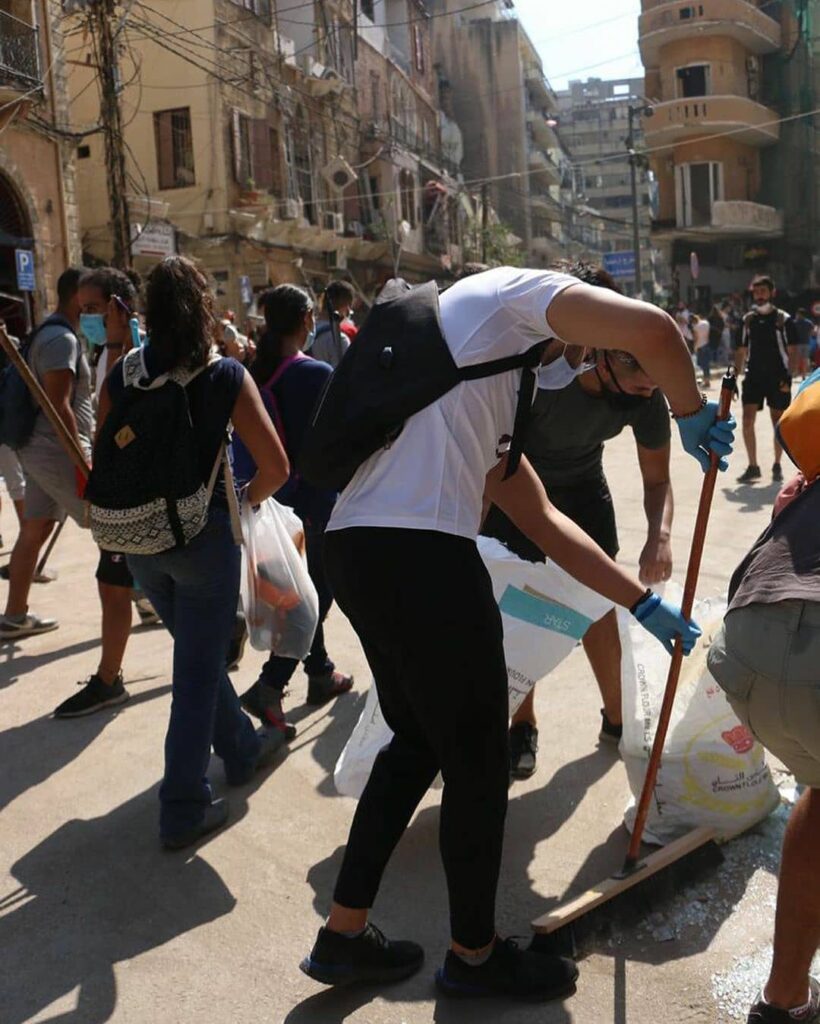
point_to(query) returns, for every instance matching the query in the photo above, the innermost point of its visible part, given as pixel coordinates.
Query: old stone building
(38, 216)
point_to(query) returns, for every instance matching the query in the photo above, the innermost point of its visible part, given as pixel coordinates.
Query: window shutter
(261, 156)
(236, 129)
(165, 149)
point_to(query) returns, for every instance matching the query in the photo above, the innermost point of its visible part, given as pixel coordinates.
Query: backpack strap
(268, 387)
(223, 459)
(527, 361)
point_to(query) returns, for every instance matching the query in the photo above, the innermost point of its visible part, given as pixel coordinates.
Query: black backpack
(18, 410)
(398, 365)
(145, 488)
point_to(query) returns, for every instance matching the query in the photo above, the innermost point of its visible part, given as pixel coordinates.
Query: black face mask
(619, 399)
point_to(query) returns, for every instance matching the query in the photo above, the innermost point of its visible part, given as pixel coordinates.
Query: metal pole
(485, 219)
(633, 173)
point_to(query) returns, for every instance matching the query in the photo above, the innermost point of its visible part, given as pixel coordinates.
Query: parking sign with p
(24, 262)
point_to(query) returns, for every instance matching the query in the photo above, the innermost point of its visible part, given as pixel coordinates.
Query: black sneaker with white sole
(750, 475)
(764, 1013)
(367, 957)
(94, 696)
(509, 971)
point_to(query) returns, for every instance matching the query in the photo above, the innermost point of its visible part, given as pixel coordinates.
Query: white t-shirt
(701, 334)
(432, 478)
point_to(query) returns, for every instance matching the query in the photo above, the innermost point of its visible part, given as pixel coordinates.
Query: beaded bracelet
(688, 415)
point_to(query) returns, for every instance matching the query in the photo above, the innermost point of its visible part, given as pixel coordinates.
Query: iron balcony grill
(19, 54)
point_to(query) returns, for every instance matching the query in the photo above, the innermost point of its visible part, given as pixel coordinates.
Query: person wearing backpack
(290, 383)
(161, 491)
(328, 345)
(448, 383)
(55, 356)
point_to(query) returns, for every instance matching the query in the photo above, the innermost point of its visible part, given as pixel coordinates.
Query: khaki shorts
(51, 485)
(766, 658)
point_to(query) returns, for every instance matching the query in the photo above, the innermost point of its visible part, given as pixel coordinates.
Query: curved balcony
(730, 219)
(695, 19)
(19, 59)
(701, 116)
(543, 166)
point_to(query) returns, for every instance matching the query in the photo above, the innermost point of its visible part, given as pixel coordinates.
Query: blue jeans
(195, 590)
(276, 672)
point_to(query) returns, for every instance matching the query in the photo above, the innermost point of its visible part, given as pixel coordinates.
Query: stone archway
(16, 232)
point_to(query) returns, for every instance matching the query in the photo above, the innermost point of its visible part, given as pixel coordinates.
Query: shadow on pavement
(97, 892)
(36, 750)
(14, 664)
(752, 498)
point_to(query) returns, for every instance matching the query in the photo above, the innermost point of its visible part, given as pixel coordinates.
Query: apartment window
(375, 96)
(302, 164)
(694, 80)
(261, 8)
(242, 148)
(175, 148)
(697, 188)
(407, 189)
(687, 13)
(367, 9)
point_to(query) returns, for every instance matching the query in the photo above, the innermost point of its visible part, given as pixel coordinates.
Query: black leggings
(422, 605)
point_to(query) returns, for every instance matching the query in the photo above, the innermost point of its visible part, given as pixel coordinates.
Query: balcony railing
(755, 30)
(19, 55)
(737, 116)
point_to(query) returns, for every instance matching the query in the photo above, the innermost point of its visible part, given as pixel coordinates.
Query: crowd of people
(549, 366)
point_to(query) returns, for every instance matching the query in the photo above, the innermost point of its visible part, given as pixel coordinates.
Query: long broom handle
(64, 435)
(41, 565)
(692, 572)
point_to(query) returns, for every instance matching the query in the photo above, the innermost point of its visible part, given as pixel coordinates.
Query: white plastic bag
(545, 613)
(712, 773)
(278, 596)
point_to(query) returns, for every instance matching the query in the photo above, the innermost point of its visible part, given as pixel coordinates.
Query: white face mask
(764, 307)
(560, 372)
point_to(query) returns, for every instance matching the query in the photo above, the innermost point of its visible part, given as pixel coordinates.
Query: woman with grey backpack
(162, 491)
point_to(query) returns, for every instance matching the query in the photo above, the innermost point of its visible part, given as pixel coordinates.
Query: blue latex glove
(703, 433)
(665, 622)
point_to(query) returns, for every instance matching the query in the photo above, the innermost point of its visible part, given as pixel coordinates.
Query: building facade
(735, 186)
(594, 125)
(507, 112)
(38, 215)
(275, 149)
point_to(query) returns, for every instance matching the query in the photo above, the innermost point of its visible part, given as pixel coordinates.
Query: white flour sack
(713, 772)
(545, 613)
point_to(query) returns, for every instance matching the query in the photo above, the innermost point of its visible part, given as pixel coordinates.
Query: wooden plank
(612, 887)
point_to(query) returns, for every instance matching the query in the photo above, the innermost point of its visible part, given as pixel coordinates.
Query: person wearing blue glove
(665, 622)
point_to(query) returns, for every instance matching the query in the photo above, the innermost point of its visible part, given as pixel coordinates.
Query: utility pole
(103, 20)
(485, 219)
(633, 173)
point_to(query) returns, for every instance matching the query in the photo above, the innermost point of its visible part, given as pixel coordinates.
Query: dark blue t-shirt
(211, 398)
(295, 395)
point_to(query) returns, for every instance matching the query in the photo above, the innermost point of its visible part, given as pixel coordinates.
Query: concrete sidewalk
(97, 924)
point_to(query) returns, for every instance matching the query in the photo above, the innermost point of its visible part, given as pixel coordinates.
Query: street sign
(157, 238)
(620, 264)
(24, 262)
(245, 290)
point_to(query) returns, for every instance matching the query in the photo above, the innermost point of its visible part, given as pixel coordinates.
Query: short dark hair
(763, 279)
(68, 283)
(803, 312)
(589, 273)
(340, 293)
(111, 281)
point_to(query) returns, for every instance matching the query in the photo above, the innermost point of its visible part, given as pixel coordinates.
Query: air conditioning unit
(337, 259)
(338, 174)
(305, 63)
(333, 222)
(292, 209)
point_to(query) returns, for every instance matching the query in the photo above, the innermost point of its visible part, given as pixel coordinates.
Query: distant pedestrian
(805, 329)
(764, 353)
(325, 345)
(701, 330)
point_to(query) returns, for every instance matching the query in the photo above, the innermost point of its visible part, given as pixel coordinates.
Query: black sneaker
(509, 971)
(270, 742)
(750, 475)
(338, 960)
(25, 625)
(94, 696)
(763, 1013)
(777, 473)
(523, 750)
(610, 732)
(265, 703)
(215, 816)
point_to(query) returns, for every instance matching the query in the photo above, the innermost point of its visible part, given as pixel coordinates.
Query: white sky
(571, 35)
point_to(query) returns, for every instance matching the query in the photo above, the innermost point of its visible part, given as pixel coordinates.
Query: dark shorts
(775, 391)
(112, 568)
(587, 504)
